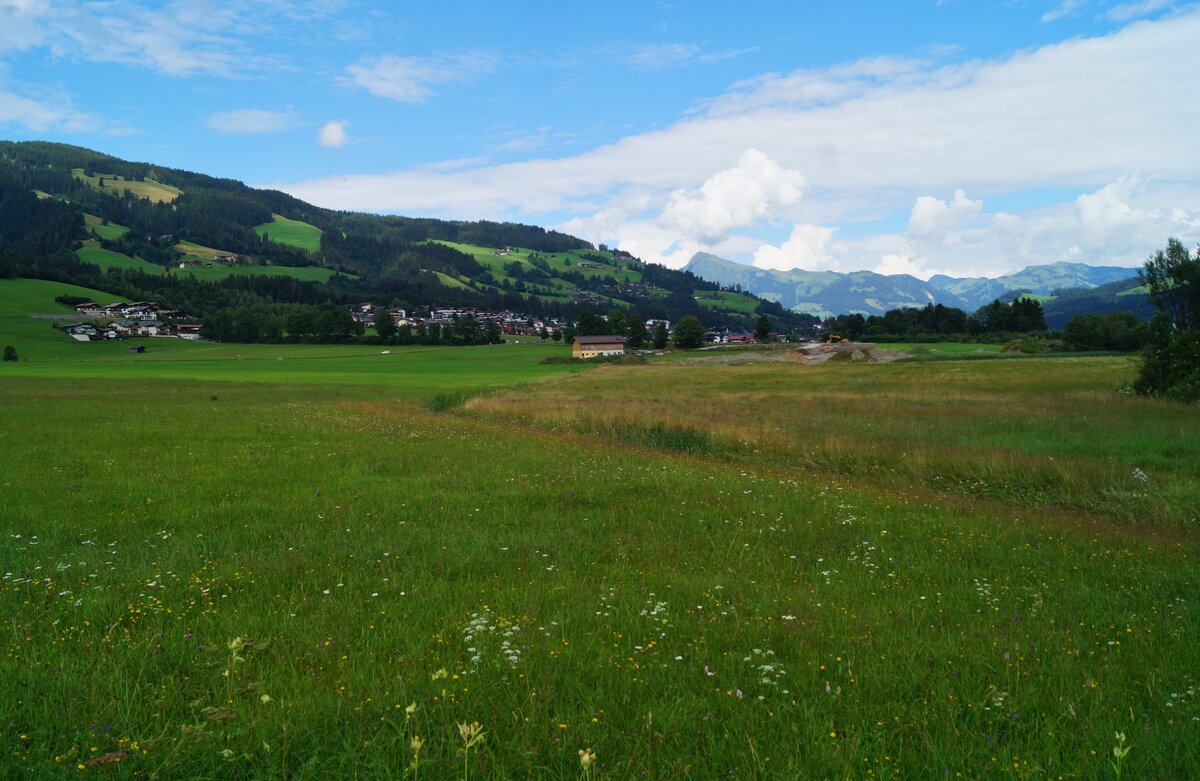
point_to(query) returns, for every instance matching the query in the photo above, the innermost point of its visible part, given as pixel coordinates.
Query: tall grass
(270, 579)
(1052, 433)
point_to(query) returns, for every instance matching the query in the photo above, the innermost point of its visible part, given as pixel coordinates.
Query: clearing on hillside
(102, 229)
(93, 253)
(293, 233)
(141, 188)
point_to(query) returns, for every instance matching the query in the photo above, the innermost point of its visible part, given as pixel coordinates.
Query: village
(150, 319)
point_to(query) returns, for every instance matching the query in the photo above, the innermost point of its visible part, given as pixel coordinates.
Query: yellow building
(595, 346)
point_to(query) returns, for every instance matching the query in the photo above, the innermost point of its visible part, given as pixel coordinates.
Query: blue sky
(950, 136)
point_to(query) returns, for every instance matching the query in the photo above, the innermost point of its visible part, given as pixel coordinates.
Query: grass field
(146, 188)
(290, 562)
(109, 231)
(93, 253)
(294, 233)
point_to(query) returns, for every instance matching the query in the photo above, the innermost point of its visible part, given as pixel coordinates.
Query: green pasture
(110, 231)
(294, 233)
(943, 349)
(254, 561)
(93, 253)
(732, 302)
(36, 339)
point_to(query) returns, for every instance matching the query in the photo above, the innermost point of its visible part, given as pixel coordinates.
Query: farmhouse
(595, 346)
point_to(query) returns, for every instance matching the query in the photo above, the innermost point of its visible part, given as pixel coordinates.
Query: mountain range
(827, 293)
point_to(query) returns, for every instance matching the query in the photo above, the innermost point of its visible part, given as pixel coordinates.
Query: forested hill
(137, 229)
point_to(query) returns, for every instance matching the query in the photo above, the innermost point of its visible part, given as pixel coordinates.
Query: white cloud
(180, 38)
(1065, 8)
(870, 137)
(333, 133)
(1124, 12)
(54, 114)
(753, 190)
(809, 247)
(414, 79)
(251, 120)
(656, 56)
(900, 263)
(932, 218)
(663, 55)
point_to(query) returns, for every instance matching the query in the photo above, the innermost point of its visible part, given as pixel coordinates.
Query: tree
(544, 334)
(1171, 362)
(635, 334)
(385, 326)
(10, 352)
(1174, 281)
(661, 337)
(590, 324)
(557, 335)
(617, 324)
(689, 333)
(762, 332)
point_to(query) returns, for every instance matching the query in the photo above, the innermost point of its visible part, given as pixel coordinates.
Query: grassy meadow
(241, 561)
(212, 271)
(292, 232)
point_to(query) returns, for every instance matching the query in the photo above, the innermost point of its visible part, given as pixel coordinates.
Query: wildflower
(470, 733)
(439, 674)
(236, 644)
(415, 744)
(587, 758)
(411, 709)
(265, 699)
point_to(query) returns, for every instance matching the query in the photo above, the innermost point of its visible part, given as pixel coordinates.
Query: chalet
(190, 331)
(191, 263)
(739, 338)
(90, 310)
(151, 328)
(226, 258)
(597, 346)
(82, 332)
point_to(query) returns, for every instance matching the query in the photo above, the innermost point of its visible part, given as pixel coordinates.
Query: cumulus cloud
(414, 79)
(755, 189)
(933, 218)
(251, 120)
(808, 247)
(333, 133)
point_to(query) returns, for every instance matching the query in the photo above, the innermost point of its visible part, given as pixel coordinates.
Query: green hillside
(97, 226)
(293, 233)
(93, 253)
(36, 339)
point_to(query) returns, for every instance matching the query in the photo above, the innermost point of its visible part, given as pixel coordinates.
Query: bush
(1170, 364)
(10, 353)
(443, 402)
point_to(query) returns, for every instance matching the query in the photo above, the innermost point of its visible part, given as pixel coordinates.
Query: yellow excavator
(835, 338)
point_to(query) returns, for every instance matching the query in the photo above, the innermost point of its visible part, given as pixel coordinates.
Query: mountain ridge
(825, 293)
